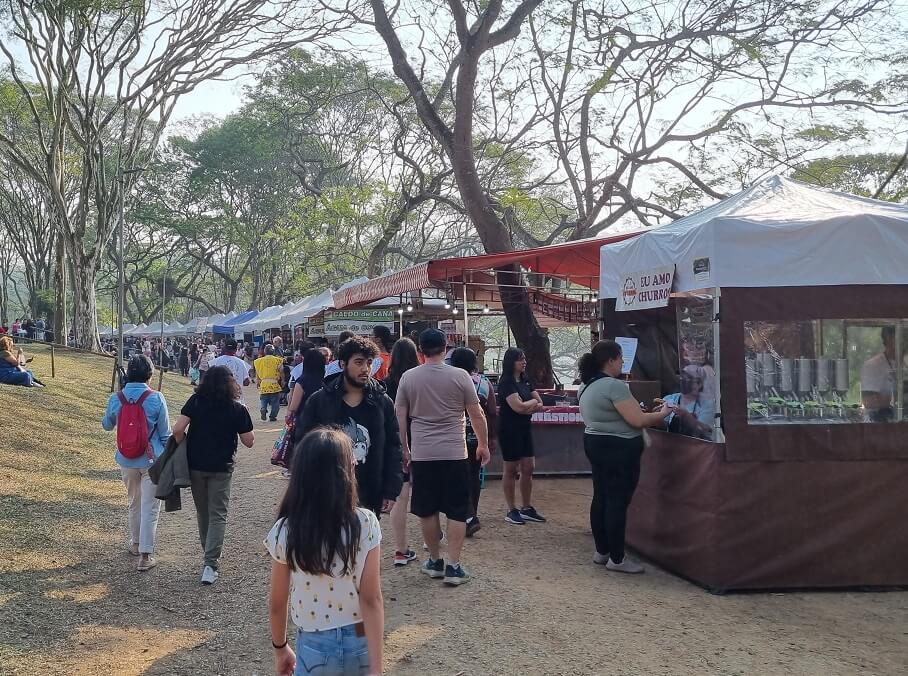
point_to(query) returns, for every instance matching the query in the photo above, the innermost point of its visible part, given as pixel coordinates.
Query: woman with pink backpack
(139, 415)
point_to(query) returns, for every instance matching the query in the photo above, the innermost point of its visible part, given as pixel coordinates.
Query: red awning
(577, 262)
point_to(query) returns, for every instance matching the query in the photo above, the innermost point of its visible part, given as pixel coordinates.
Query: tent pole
(718, 434)
(466, 318)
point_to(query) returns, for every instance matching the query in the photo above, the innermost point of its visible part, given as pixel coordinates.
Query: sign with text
(362, 315)
(315, 329)
(646, 289)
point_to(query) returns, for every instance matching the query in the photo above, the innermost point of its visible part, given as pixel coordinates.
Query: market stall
(788, 303)
(561, 280)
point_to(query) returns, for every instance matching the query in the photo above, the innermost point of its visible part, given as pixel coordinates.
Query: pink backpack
(132, 427)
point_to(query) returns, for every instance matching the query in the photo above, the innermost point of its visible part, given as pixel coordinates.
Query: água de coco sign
(646, 289)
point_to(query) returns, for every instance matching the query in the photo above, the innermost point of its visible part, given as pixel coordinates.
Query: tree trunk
(60, 287)
(85, 317)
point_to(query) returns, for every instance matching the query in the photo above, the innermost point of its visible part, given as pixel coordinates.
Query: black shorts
(440, 487)
(516, 443)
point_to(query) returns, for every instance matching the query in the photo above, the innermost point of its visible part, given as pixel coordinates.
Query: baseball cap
(230, 344)
(432, 339)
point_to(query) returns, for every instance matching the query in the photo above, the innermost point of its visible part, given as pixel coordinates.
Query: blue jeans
(274, 400)
(331, 652)
(14, 376)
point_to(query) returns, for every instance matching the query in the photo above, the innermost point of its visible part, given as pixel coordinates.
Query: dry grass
(71, 601)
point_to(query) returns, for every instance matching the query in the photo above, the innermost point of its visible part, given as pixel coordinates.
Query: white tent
(195, 325)
(269, 318)
(216, 319)
(154, 329)
(175, 329)
(309, 307)
(288, 311)
(136, 330)
(778, 232)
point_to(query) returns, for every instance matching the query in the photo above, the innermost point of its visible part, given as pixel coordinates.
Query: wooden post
(53, 366)
(160, 377)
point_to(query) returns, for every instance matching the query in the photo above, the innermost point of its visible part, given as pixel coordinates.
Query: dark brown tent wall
(779, 506)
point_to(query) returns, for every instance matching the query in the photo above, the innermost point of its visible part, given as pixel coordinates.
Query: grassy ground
(60, 490)
(71, 601)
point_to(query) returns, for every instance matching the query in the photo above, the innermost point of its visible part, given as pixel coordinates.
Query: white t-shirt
(237, 366)
(320, 602)
(878, 375)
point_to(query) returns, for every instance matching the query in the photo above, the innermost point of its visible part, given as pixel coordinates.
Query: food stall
(561, 279)
(790, 301)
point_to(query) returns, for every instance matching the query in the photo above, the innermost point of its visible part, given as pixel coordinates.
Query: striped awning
(391, 284)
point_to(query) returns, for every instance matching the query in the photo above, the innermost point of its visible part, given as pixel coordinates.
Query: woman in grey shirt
(613, 443)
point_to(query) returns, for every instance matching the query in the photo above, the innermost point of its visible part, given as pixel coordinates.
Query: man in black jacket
(357, 403)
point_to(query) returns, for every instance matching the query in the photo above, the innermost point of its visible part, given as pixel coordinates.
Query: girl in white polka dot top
(326, 566)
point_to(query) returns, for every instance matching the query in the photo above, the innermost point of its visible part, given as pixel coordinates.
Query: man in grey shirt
(432, 398)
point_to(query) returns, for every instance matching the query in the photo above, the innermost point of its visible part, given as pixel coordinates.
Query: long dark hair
(511, 356)
(403, 358)
(314, 363)
(218, 385)
(592, 362)
(320, 505)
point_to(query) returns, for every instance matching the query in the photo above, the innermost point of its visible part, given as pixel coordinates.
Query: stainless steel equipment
(768, 370)
(786, 375)
(752, 374)
(841, 375)
(805, 373)
(823, 379)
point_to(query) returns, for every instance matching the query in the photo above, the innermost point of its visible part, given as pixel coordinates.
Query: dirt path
(536, 606)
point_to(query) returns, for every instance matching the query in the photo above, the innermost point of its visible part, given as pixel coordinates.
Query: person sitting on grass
(326, 565)
(12, 365)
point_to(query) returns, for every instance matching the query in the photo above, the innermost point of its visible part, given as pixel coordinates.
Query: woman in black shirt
(215, 419)
(518, 402)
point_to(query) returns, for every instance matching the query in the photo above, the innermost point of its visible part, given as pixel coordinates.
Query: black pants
(475, 478)
(616, 471)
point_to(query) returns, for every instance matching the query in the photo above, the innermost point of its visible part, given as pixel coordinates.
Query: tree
(473, 39)
(654, 107)
(879, 175)
(108, 75)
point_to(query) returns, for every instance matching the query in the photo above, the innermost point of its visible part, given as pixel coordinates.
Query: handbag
(280, 452)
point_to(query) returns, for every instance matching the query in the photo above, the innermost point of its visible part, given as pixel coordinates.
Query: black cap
(432, 339)
(230, 344)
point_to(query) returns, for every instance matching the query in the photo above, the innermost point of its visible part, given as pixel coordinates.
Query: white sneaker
(209, 575)
(600, 559)
(627, 565)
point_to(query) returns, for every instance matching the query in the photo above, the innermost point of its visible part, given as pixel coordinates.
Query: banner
(361, 315)
(315, 329)
(361, 327)
(646, 289)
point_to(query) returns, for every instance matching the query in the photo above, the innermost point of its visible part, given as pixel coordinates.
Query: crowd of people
(376, 427)
(26, 328)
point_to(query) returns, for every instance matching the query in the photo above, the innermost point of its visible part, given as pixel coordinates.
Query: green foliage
(858, 174)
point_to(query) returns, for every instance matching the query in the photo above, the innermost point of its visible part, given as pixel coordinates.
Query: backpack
(132, 427)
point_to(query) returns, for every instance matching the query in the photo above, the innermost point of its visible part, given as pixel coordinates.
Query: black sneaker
(264, 416)
(514, 517)
(473, 526)
(456, 576)
(434, 569)
(530, 514)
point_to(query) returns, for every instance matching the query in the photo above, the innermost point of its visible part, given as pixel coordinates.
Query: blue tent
(228, 326)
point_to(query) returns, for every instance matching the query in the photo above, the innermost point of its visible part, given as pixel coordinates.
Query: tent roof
(266, 319)
(228, 325)
(778, 232)
(307, 308)
(576, 261)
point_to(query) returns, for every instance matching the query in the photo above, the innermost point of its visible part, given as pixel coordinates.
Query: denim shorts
(331, 652)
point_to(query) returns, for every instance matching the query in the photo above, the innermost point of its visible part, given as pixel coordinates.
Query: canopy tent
(196, 325)
(154, 329)
(175, 329)
(269, 318)
(308, 307)
(138, 330)
(229, 326)
(218, 319)
(779, 232)
(291, 309)
(577, 262)
(105, 331)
